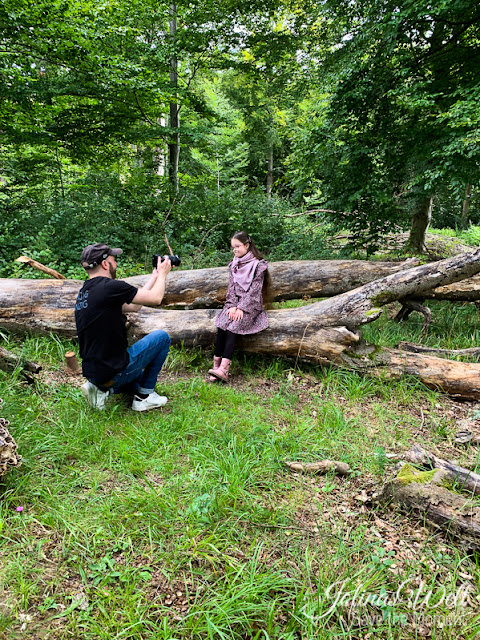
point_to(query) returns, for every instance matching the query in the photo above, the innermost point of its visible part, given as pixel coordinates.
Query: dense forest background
(125, 122)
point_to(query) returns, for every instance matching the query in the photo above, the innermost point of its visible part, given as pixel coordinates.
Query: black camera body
(175, 260)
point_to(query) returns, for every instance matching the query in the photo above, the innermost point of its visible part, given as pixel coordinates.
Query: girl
(243, 312)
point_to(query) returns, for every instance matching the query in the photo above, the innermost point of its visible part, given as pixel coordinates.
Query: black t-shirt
(101, 327)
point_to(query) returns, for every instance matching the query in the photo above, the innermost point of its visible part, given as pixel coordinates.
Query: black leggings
(224, 344)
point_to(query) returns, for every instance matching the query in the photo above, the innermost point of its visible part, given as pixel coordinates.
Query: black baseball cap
(95, 253)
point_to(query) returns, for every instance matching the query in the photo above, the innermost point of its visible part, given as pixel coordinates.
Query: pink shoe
(216, 363)
(222, 371)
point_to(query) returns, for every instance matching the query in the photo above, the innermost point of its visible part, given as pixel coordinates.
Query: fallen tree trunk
(326, 332)
(466, 480)
(292, 279)
(468, 290)
(450, 511)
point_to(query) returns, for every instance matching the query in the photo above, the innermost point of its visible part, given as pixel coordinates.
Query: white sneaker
(152, 401)
(94, 396)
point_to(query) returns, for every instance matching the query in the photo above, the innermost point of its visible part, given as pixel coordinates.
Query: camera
(175, 260)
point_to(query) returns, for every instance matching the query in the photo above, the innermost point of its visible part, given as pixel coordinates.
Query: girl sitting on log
(243, 313)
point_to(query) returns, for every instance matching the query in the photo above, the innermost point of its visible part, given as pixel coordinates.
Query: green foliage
(391, 132)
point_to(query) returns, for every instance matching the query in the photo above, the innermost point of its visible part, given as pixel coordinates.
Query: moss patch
(409, 474)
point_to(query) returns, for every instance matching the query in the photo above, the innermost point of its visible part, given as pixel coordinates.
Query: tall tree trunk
(421, 219)
(174, 144)
(59, 165)
(159, 153)
(466, 205)
(270, 172)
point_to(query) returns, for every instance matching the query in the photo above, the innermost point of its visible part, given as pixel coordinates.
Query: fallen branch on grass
(465, 479)
(323, 466)
(421, 493)
(9, 361)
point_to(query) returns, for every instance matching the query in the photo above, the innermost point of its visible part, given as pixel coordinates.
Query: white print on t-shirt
(82, 301)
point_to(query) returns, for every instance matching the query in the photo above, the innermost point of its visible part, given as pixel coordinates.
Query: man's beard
(113, 271)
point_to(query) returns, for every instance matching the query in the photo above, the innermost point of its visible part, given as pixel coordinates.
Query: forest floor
(186, 523)
(438, 246)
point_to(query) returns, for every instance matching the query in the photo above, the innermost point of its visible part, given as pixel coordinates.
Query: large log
(295, 279)
(292, 279)
(323, 332)
(467, 290)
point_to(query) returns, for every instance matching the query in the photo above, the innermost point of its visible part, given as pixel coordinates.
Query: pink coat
(250, 302)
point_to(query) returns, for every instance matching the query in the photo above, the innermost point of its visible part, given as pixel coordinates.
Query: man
(107, 363)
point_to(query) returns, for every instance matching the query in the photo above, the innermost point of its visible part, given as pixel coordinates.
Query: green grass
(454, 326)
(123, 512)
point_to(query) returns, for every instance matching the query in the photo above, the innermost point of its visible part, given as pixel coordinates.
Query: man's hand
(163, 267)
(235, 314)
(151, 295)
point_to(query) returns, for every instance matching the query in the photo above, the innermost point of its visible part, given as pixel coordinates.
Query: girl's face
(239, 249)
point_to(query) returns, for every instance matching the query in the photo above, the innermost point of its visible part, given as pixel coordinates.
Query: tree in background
(402, 118)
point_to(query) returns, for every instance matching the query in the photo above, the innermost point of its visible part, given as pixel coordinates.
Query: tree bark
(325, 332)
(207, 288)
(466, 205)
(450, 511)
(467, 290)
(174, 144)
(420, 222)
(465, 479)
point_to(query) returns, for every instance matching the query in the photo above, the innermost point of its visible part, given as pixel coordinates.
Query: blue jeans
(146, 360)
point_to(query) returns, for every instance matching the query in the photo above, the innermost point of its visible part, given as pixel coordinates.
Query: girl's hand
(231, 312)
(238, 315)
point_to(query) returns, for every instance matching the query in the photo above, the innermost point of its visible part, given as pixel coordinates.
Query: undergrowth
(185, 522)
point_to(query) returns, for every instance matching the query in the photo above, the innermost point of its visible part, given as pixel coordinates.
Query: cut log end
(73, 368)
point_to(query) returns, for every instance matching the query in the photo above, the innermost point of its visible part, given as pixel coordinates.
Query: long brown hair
(267, 293)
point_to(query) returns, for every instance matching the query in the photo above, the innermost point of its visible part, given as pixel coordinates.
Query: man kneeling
(108, 363)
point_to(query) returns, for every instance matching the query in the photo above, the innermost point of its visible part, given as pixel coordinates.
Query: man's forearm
(150, 297)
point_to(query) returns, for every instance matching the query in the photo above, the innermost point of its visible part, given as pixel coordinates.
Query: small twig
(168, 245)
(162, 227)
(300, 345)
